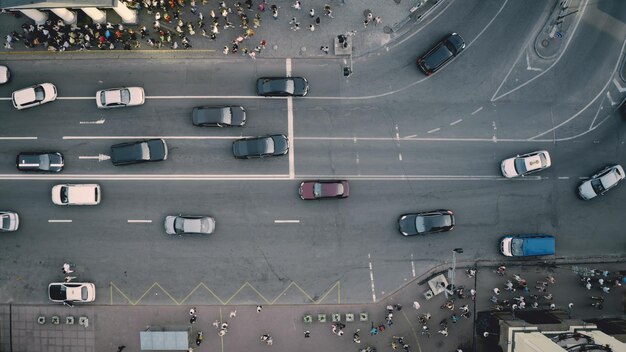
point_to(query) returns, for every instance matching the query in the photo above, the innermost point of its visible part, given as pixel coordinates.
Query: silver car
(189, 225)
(601, 182)
(9, 221)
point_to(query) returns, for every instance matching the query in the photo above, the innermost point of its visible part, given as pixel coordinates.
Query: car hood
(508, 168)
(12, 219)
(306, 190)
(406, 224)
(158, 149)
(586, 191)
(4, 74)
(50, 91)
(136, 95)
(281, 144)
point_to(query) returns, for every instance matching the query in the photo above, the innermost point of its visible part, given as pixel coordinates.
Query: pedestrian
(233, 313)
(486, 334)
(570, 305)
(192, 311)
(293, 21)
(470, 273)
(325, 49)
(588, 285)
(312, 27)
(369, 16)
(501, 270)
(67, 268)
(295, 27)
(377, 20)
(496, 291)
(365, 23)
(548, 296)
(307, 334)
(312, 13)
(355, 337)
(274, 11)
(509, 286)
(454, 318)
(318, 21)
(175, 46)
(327, 11)
(192, 319)
(225, 50)
(534, 305)
(464, 308)
(259, 308)
(444, 331)
(550, 279)
(120, 348)
(522, 305)
(494, 299)
(606, 289)
(552, 306)
(297, 5)
(252, 55)
(373, 330)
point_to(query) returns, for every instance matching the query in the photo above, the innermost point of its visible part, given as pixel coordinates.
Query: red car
(324, 189)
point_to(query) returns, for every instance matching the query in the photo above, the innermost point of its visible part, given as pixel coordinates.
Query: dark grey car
(219, 116)
(259, 147)
(425, 223)
(139, 152)
(441, 54)
(282, 86)
(39, 161)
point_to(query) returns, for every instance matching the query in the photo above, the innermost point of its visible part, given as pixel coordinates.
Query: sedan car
(260, 147)
(120, 97)
(522, 165)
(138, 152)
(219, 116)
(9, 221)
(39, 161)
(35, 95)
(601, 182)
(72, 292)
(441, 54)
(425, 223)
(282, 86)
(189, 225)
(5, 74)
(324, 189)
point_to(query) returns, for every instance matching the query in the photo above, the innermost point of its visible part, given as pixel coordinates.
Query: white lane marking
(608, 95)
(372, 278)
(240, 177)
(291, 138)
(563, 177)
(139, 221)
(286, 221)
(411, 136)
(400, 156)
(600, 108)
(477, 110)
(619, 86)
(16, 138)
(210, 97)
(434, 130)
(288, 67)
(422, 139)
(52, 221)
(76, 98)
(530, 38)
(455, 122)
(528, 67)
(412, 265)
(96, 122)
(357, 158)
(151, 137)
(99, 157)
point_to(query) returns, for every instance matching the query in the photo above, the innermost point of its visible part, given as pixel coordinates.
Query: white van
(72, 194)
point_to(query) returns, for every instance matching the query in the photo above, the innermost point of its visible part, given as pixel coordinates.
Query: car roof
(81, 193)
(113, 96)
(26, 95)
(532, 162)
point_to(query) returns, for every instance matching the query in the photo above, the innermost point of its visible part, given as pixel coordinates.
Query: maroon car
(324, 189)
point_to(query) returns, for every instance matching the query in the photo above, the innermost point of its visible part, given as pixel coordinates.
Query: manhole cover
(545, 43)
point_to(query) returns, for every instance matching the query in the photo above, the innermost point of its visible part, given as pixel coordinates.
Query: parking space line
(286, 221)
(412, 265)
(372, 277)
(477, 110)
(434, 130)
(54, 221)
(16, 138)
(288, 67)
(139, 221)
(291, 138)
(151, 137)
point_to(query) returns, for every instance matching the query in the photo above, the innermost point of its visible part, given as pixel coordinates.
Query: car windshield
(420, 224)
(145, 151)
(179, 225)
(44, 162)
(84, 293)
(517, 246)
(520, 165)
(64, 194)
(597, 186)
(39, 93)
(317, 190)
(4, 222)
(125, 96)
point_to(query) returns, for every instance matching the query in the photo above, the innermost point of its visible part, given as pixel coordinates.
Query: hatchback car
(9, 221)
(39, 161)
(72, 292)
(5, 74)
(425, 223)
(260, 147)
(120, 97)
(219, 116)
(138, 152)
(324, 189)
(35, 95)
(601, 182)
(76, 194)
(189, 225)
(441, 54)
(522, 165)
(282, 86)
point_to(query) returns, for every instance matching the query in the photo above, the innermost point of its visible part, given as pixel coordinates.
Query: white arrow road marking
(100, 157)
(286, 221)
(59, 220)
(97, 122)
(139, 221)
(619, 86)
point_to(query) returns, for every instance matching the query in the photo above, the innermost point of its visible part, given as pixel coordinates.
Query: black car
(219, 116)
(139, 152)
(425, 223)
(39, 161)
(441, 54)
(260, 147)
(282, 86)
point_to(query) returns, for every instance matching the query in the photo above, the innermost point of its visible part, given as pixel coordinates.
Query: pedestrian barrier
(55, 320)
(83, 321)
(69, 320)
(349, 317)
(308, 318)
(364, 317)
(336, 317)
(321, 317)
(41, 320)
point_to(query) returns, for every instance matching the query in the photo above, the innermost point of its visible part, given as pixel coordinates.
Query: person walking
(324, 49)
(355, 337)
(312, 13)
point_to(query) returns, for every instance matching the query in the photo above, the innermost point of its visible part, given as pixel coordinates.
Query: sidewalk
(397, 18)
(111, 326)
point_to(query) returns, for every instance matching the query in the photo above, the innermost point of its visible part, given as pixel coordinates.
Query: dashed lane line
(434, 130)
(455, 122)
(286, 221)
(139, 221)
(59, 221)
(16, 138)
(372, 277)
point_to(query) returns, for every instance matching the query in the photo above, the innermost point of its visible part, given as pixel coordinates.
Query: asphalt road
(406, 143)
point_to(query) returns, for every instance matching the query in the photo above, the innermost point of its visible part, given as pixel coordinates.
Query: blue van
(527, 245)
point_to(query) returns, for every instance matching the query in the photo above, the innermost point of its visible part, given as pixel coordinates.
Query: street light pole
(452, 274)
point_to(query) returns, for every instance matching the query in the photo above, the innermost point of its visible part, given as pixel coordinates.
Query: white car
(601, 182)
(5, 74)
(9, 221)
(68, 292)
(35, 95)
(76, 194)
(522, 165)
(120, 97)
